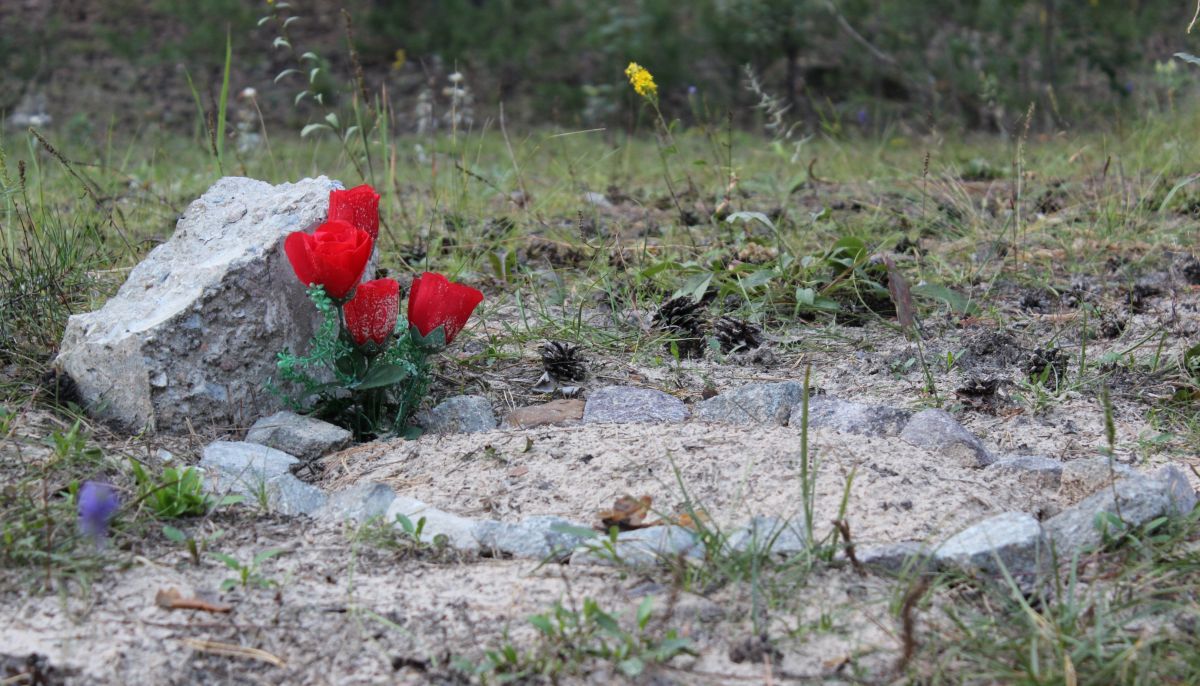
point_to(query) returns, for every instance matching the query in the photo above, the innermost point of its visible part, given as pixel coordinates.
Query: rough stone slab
(563, 411)
(249, 470)
(939, 432)
(783, 537)
(1082, 478)
(642, 547)
(304, 437)
(192, 334)
(461, 414)
(532, 538)
(1040, 472)
(358, 503)
(1011, 541)
(756, 403)
(628, 404)
(825, 412)
(1138, 499)
(460, 532)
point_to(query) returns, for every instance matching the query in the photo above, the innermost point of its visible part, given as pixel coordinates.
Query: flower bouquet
(362, 371)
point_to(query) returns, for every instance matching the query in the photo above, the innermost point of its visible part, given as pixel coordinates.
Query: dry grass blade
(230, 650)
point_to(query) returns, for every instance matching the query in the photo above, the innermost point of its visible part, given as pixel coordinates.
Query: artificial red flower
(433, 301)
(371, 313)
(333, 256)
(359, 206)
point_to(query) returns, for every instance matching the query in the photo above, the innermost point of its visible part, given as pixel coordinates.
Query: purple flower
(691, 91)
(97, 503)
(862, 116)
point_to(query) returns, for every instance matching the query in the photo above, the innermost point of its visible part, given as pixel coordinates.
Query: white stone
(191, 336)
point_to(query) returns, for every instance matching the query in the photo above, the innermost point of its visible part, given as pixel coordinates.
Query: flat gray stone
(192, 334)
(938, 432)
(358, 503)
(1135, 500)
(756, 403)
(461, 414)
(825, 412)
(1081, 478)
(1040, 472)
(629, 404)
(460, 532)
(1012, 542)
(782, 537)
(531, 538)
(304, 437)
(252, 470)
(642, 548)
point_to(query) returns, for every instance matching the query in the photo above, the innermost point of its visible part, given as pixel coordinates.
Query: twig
(908, 621)
(843, 528)
(230, 650)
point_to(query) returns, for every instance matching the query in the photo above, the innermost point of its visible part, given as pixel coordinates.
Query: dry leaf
(901, 296)
(627, 513)
(518, 472)
(172, 599)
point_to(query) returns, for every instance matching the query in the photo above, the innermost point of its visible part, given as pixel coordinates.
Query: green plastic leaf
(333, 120)
(299, 97)
(382, 376)
(286, 72)
(280, 41)
(434, 342)
(287, 22)
(1188, 57)
(310, 56)
(263, 20)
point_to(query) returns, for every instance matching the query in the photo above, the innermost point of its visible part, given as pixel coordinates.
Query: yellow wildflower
(401, 57)
(641, 80)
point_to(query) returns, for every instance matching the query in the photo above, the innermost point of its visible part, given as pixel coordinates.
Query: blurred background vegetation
(839, 64)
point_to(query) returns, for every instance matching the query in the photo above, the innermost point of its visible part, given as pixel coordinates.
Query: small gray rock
(938, 432)
(460, 532)
(628, 404)
(358, 503)
(1011, 541)
(783, 537)
(252, 471)
(532, 538)
(826, 412)
(596, 199)
(642, 547)
(1081, 478)
(461, 414)
(893, 558)
(1136, 500)
(1039, 472)
(1183, 496)
(304, 437)
(756, 403)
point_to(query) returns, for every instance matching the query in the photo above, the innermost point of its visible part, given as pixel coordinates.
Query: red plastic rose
(333, 256)
(433, 301)
(359, 206)
(371, 314)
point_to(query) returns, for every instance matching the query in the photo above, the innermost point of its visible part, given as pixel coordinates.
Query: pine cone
(680, 317)
(736, 334)
(562, 361)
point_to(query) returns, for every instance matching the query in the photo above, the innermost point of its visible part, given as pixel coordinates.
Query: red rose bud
(371, 314)
(359, 206)
(435, 302)
(333, 256)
